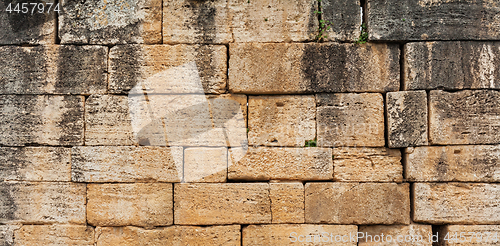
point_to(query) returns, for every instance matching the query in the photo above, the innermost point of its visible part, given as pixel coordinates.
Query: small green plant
(363, 37)
(403, 19)
(311, 143)
(333, 157)
(323, 27)
(265, 19)
(248, 129)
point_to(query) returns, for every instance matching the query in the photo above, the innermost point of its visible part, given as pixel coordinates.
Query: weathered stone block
(223, 203)
(464, 117)
(41, 202)
(350, 120)
(77, 235)
(468, 235)
(287, 202)
(367, 165)
(110, 22)
(357, 203)
(396, 20)
(35, 164)
(406, 118)
(205, 165)
(126, 164)
(456, 203)
(139, 204)
(413, 234)
(344, 19)
(281, 120)
(49, 120)
(265, 163)
(278, 68)
(7, 234)
(451, 65)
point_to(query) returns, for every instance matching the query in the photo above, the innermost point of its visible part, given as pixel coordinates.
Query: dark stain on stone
(26, 22)
(204, 60)
(127, 68)
(71, 122)
(33, 66)
(324, 67)
(8, 205)
(442, 167)
(408, 133)
(11, 161)
(204, 12)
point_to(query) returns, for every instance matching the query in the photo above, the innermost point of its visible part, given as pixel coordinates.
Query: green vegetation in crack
(363, 37)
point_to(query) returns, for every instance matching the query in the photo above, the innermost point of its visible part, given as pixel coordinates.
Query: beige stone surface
(7, 234)
(357, 203)
(205, 165)
(269, 163)
(468, 235)
(299, 234)
(404, 235)
(281, 120)
(139, 204)
(55, 235)
(367, 165)
(287, 202)
(169, 236)
(222, 203)
(456, 203)
(42, 202)
(92, 164)
(350, 120)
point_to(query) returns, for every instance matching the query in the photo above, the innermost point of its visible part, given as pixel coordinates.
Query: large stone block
(47, 120)
(139, 204)
(367, 165)
(404, 235)
(353, 120)
(395, 20)
(110, 22)
(469, 235)
(406, 118)
(42, 202)
(264, 163)
(287, 202)
(343, 17)
(451, 65)
(205, 165)
(126, 164)
(456, 203)
(279, 68)
(357, 203)
(464, 117)
(227, 203)
(57, 235)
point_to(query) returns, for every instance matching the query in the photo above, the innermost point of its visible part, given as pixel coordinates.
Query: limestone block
(287, 202)
(55, 235)
(404, 235)
(469, 235)
(7, 234)
(344, 19)
(205, 165)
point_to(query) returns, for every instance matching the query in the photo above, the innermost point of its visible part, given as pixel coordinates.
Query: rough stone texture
(357, 203)
(229, 203)
(264, 163)
(223, 105)
(297, 234)
(7, 234)
(55, 235)
(50, 120)
(41, 202)
(404, 235)
(467, 163)
(367, 165)
(168, 69)
(126, 164)
(406, 118)
(110, 22)
(35, 164)
(273, 68)
(472, 235)
(169, 236)
(287, 202)
(139, 204)
(205, 165)
(23, 28)
(395, 20)
(350, 120)
(456, 203)
(451, 65)
(464, 117)
(345, 19)
(53, 69)
(281, 120)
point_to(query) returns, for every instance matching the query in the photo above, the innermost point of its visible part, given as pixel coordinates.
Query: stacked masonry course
(406, 127)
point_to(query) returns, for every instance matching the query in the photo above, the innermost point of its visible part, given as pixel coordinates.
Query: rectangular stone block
(169, 236)
(281, 68)
(456, 203)
(466, 163)
(110, 22)
(357, 203)
(35, 164)
(42, 202)
(77, 235)
(350, 120)
(299, 235)
(367, 165)
(53, 69)
(344, 19)
(464, 117)
(395, 20)
(47, 120)
(264, 163)
(7, 234)
(281, 120)
(451, 65)
(138, 204)
(222, 203)
(406, 118)
(413, 234)
(137, 69)
(205, 165)
(126, 164)
(468, 235)
(287, 202)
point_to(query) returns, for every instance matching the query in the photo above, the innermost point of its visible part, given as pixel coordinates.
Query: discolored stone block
(468, 235)
(412, 234)
(205, 165)
(77, 235)
(287, 202)
(7, 234)
(344, 19)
